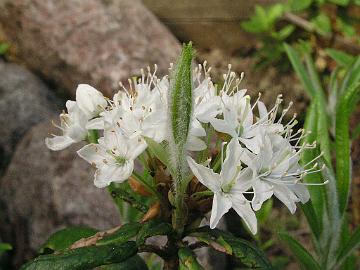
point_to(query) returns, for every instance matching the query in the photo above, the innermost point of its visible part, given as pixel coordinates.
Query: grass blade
(301, 254)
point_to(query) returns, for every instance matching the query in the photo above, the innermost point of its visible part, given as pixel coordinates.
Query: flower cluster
(261, 152)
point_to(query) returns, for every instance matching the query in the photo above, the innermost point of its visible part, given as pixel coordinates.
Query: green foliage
(125, 233)
(341, 58)
(5, 247)
(152, 228)
(4, 47)
(325, 213)
(181, 96)
(84, 258)
(187, 260)
(248, 254)
(133, 263)
(296, 20)
(64, 238)
(303, 256)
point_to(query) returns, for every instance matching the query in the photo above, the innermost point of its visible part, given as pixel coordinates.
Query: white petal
(301, 192)
(232, 161)
(224, 127)
(263, 113)
(195, 144)
(208, 110)
(243, 209)
(57, 143)
(262, 192)
(221, 205)
(113, 173)
(135, 147)
(205, 175)
(286, 196)
(196, 129)
(244, 181)
(94, 154)
(96, 123)
(90, 100)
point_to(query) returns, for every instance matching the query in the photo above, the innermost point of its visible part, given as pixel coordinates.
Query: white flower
(72, 125)
(90, 100)
(276, 171)
(138, 112)
(113, 157)
(228, 186)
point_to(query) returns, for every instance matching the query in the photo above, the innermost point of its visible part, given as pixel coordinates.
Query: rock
(24, 101)
(44, 191)
(96, 42)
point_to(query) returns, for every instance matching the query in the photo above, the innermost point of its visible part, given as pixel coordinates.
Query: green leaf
(301, 254)
(340, 57)
(352, 76)
(158, 150)
(83, 258)
(299, 5)
(265, 211)
(300, 69)
(284, 33)
(342, 144)
(317, 193)
(274, 13)
(133, 263)
(5, 247)
(181, 96)
(125, 233)
(343, 3)
(152, 228)
(323, 123)
(349, 247)
(322, 24)
(4, 47)
(247, 253)
(65, 238)
(187, 260)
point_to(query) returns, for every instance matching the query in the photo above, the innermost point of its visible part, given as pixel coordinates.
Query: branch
(154, 249)
(308, 26)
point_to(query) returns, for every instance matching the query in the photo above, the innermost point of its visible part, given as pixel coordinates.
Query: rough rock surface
(24, 101)
(44, 191)
(97, 42)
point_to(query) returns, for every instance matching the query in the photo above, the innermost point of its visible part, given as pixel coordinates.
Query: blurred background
(48, 47)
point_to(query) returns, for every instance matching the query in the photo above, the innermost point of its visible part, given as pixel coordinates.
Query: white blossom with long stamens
(113, 156)
(72, 125)
(228, 186)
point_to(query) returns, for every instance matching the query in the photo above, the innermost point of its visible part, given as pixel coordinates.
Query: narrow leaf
(159, 151)
(247, 253)
(187, 260)
(300, 69)
(133, 263)
(316, 192)
(181, 96)
(83, 258)
(64, 238)
(349, 247)
(341, 58)
(125, 233)
(301, 254)
(152, 228)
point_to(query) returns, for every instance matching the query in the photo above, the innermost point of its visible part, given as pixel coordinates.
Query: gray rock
(24, 101)
(96, 42)
(44, 191)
